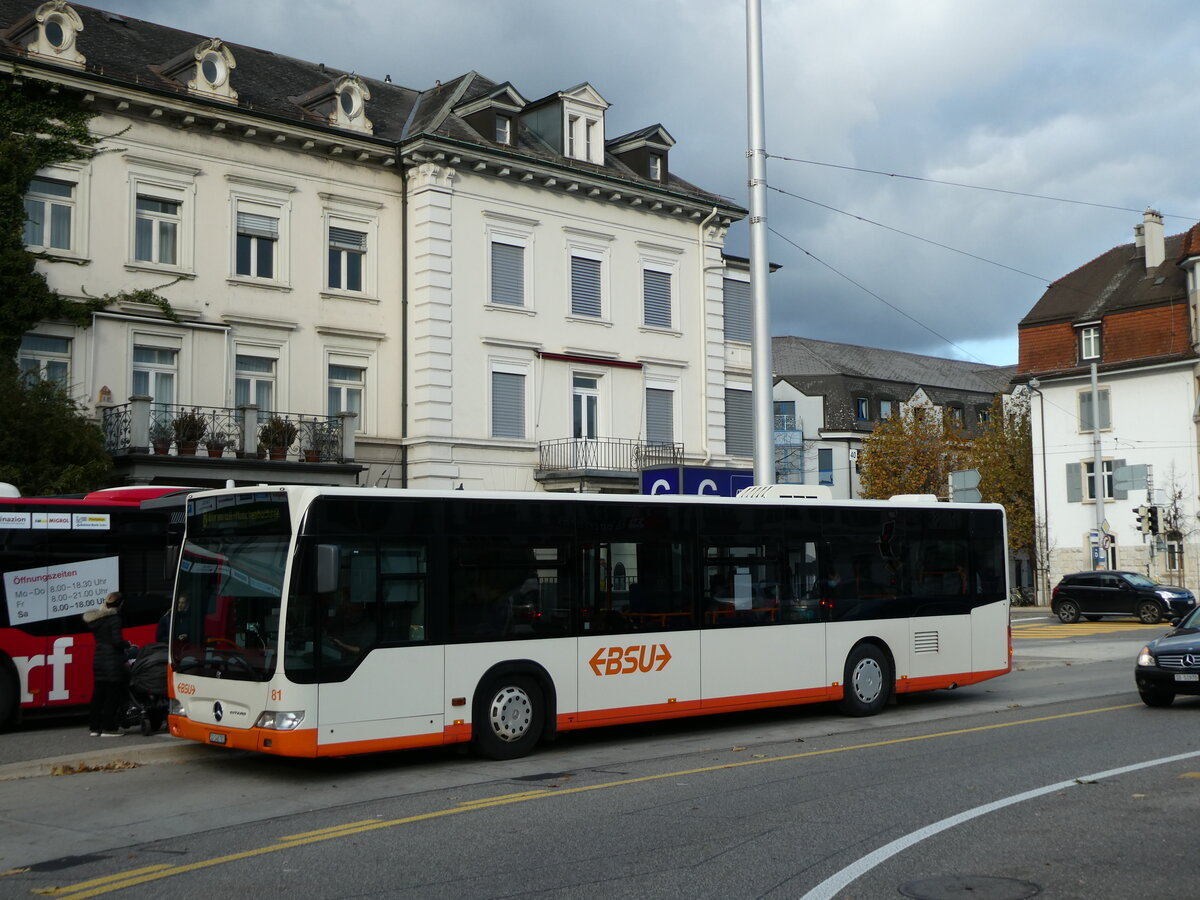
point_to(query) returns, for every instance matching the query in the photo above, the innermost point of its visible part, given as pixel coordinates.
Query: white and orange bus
(333, 621)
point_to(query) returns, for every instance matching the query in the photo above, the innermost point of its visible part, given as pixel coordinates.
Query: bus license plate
(214, 738)
(1190, 677)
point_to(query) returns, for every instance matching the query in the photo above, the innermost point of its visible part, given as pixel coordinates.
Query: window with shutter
(585, 287)
(508, 405)
(508, 274)
(656, 296)
(660, 415)
(737, 310)
(347, 248)
(256, 239)
(1085, 410)
(739, 423)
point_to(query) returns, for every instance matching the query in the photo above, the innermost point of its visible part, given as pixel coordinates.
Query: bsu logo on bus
(626, 660)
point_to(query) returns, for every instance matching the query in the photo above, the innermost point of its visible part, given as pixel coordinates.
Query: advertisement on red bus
(59, 558)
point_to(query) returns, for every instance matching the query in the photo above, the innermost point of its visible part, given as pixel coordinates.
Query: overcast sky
(1086, 100)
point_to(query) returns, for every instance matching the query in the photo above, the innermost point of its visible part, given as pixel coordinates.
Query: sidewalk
(60, 747)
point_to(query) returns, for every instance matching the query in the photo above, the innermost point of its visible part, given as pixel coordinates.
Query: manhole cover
(977, 887)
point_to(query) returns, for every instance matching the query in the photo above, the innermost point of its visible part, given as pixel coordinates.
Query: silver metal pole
(1098, 468)
(760, 361)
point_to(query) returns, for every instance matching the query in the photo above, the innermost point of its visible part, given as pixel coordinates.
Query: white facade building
(452, 287)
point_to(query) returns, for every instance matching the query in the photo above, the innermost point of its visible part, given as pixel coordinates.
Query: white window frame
(78, 178)
(354, 360)
(257, 351)
(510, 367)
(368, 225)
(515, 234)
(656, 166)
(594, 247)
(671, 385)
(1089, 341)
(1089, 488)
(504, 129)
(671, 270)
(175, 184)
(43, 359)
(280, 211)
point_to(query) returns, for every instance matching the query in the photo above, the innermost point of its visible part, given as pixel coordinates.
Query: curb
(104, 760)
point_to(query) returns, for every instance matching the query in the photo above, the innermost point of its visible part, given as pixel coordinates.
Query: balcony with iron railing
(241, 433)
(610, 455)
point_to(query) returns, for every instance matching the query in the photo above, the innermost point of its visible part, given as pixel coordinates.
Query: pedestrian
(108, 667)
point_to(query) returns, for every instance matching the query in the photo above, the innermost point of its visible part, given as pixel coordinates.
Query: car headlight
(276, 720)
(175, 708)
(1145, 658)
(1166, 595)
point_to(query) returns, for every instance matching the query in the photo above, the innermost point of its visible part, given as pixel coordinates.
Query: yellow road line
(96, 887)
(107, 879)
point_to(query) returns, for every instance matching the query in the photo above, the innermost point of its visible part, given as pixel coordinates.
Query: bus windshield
(227, 601)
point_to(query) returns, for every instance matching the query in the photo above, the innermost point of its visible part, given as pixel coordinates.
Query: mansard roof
(1115, 281)
(125, 54)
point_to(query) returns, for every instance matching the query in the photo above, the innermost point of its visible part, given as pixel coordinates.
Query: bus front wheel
(868, 681)
(509, 715)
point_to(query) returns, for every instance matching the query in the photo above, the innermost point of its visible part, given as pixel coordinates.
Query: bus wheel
(509, 717)
(8, 698)
(868, 681)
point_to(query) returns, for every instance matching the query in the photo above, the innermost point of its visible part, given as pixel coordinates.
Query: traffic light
(1152, 520)
(1143, 519)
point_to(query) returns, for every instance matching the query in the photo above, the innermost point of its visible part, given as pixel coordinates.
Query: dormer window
(644, 151)
(343, 103)
(205, 70)
(50, 33)
(504, 129)
(212, 67)
(1089, 342)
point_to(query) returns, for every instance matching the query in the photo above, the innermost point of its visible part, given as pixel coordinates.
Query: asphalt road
(1004, 781)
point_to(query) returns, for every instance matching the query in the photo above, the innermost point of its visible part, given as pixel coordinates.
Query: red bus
(59, 557)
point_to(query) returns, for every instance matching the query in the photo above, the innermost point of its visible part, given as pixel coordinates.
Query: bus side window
(402, 592)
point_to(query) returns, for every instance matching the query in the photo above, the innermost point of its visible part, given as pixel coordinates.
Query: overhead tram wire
(915, 237)
(975, 187)
(867, 290)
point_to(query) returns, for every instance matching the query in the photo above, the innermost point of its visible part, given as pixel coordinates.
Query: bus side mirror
(328, 559)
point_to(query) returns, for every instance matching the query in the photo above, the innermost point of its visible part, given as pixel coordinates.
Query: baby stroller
(148, 689)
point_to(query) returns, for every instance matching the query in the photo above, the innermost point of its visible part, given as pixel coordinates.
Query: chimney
(1152, 232)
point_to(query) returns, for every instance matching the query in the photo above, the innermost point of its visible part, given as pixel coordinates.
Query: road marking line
(133, 878)
(830, 886)
(334, 828)
(55, 891)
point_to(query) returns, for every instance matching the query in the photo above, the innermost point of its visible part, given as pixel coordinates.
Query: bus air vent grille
(925, 642)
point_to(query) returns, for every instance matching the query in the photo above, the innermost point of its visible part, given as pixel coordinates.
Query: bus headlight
(175, 708)
(1145, 658)
(276, 720)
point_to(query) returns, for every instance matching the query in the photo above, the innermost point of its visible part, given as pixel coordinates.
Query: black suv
(1096, 594)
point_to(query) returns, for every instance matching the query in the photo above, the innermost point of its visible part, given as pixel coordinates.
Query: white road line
(828, 888)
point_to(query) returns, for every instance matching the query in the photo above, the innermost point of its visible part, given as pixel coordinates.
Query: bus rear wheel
(868, 681)
(509, 715)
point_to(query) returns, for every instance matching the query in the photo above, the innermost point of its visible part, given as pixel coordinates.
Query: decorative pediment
(504, 98)
(341, 102)
(51, 33)
(585, 95)
(206, 69)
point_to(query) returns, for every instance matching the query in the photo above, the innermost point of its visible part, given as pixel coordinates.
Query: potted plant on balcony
(160, 437)
(278, 434)
(216, 443)
(317, 441)
(189, 430)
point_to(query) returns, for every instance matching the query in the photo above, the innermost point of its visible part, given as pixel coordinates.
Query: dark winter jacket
(109, 662)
